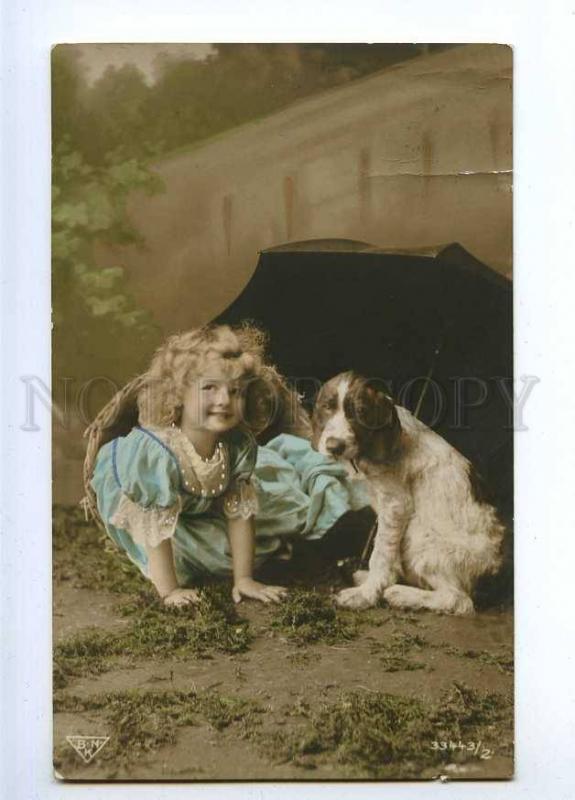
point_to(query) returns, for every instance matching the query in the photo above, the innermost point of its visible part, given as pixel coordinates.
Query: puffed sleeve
(147, 476)
(240, 500)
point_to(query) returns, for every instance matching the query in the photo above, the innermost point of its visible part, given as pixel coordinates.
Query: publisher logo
(87, 746)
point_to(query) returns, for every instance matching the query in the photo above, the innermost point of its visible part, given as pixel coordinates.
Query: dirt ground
(282, 706)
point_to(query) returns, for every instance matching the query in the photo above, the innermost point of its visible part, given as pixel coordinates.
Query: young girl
(179, 493)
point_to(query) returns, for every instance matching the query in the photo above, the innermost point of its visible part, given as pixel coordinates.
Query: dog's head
(354, 418)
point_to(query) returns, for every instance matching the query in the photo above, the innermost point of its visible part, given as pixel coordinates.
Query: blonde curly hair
(238, 353)
(154, 399)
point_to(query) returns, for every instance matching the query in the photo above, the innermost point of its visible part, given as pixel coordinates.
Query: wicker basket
(120, 415)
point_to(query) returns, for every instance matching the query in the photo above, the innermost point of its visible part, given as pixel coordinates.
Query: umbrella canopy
(435, 325)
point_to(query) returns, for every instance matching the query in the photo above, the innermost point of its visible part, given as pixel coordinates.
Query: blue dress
(152, 485)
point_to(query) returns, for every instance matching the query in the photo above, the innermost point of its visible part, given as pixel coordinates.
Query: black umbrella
(436, 326)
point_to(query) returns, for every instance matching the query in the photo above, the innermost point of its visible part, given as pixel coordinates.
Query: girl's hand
(182, 597)
(247, 587)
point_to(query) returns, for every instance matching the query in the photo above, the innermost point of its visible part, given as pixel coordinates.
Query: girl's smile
(212, 405)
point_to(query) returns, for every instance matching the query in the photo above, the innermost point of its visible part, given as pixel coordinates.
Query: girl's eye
(208, 387)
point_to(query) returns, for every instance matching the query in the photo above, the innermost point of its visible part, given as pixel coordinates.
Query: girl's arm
(162, 573)
(241, 534)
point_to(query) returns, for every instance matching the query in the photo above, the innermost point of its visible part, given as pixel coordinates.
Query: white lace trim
(241, 500)
(205, 478)
(147, 526)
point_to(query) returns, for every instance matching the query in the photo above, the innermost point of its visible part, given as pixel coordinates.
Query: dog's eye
(330, 404)
(361, 410)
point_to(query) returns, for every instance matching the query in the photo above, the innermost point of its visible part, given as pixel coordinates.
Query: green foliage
(381, 735)
(98, 328)
(156, 631)
(307, 617)
(396, 652)
(86, 557)
(141, 722)
(213, 625)
(502, 659)
(192, 99)
(105, 133)
(317, 717)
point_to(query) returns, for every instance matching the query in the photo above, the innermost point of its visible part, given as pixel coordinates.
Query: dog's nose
(334, 446)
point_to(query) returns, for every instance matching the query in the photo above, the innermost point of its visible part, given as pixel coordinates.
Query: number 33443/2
(477, 748)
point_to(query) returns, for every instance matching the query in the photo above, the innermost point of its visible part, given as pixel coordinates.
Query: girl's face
(213, 403)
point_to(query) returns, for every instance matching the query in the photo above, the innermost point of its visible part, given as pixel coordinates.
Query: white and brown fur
(435, 536)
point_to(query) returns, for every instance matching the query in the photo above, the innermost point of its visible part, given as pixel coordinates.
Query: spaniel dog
(435, 535)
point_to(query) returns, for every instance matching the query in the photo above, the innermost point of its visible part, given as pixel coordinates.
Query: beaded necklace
(207, 477)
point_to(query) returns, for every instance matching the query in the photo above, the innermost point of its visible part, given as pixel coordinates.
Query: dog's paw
(396, 596)
(360, 576)
(356, 598)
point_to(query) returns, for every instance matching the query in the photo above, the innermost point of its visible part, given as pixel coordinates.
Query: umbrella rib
(428, 376)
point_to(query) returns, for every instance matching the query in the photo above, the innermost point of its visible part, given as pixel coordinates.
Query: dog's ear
(318, 418)
(376, 423)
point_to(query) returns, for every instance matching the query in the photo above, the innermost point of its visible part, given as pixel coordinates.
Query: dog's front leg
(394, 509)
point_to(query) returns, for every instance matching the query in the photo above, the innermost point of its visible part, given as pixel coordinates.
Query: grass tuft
(389, 736)
(141, 722)
(503, 659)
(309, 617)
(395, 652)
(86, 557)
(356, 733)
(156, 630)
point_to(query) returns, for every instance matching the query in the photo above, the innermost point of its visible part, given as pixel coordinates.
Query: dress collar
(203, 477)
